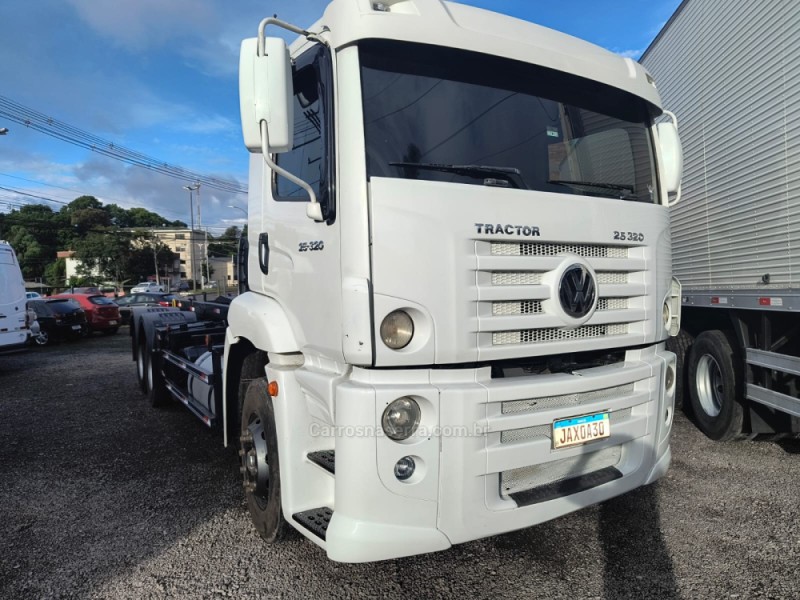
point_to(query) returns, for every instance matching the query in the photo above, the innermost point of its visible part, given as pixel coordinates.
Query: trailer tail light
(770, 301)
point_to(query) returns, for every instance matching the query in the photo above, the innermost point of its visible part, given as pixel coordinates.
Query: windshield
(448, 115)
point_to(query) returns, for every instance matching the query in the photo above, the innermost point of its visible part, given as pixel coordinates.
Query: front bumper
(480, 441)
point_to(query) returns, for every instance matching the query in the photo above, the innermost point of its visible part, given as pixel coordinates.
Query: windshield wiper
(509, 174)
(617, 187)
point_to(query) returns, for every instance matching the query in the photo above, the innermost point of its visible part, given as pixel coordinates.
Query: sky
(161, 77)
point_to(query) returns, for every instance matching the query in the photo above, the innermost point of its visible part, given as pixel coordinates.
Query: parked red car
(102, 313)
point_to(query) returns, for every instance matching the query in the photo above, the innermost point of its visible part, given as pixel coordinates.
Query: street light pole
(191, 189)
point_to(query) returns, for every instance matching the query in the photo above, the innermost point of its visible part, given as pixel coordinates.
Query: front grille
(518, 306)
(548, 402)
(533, 249)
(526, 478)
(553, 334)
(527, 434)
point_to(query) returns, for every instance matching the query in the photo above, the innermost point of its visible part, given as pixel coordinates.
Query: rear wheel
(156, 388)
(715, 385)
(141, 363)
(260, 465)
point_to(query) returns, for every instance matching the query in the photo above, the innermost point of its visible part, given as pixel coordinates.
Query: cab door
(292, 258)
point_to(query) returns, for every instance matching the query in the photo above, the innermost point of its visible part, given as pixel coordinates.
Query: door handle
(263, 252)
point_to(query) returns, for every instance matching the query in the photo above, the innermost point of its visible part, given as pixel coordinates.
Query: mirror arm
(287, 26)
(313, 210)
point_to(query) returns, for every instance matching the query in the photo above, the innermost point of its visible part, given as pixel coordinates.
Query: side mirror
(266, 95)
(671, 157)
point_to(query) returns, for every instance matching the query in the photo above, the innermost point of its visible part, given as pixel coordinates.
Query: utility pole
(192, 188)
(155, 255)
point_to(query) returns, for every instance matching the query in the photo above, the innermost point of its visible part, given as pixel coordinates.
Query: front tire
(260, 463)
(42, 338)
(715, 385)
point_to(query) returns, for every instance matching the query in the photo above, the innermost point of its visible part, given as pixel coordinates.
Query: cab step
(325, 459)
(315, 520)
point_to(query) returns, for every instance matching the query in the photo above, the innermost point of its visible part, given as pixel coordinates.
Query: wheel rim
(42, 338)
(710, 390)
(255, 466)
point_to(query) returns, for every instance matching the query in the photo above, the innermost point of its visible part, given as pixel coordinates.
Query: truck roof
(441, 23)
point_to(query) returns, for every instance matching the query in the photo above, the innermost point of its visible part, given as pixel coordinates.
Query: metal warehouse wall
(730, 71)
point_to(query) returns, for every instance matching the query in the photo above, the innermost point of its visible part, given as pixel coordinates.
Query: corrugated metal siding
(730, 71)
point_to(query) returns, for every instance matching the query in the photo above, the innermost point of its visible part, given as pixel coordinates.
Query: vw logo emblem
(577, 291)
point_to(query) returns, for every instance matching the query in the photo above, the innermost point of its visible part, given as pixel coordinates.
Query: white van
(13, 322)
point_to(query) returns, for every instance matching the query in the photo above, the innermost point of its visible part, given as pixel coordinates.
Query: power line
(68, 133)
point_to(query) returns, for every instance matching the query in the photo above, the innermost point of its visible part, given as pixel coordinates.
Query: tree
(104, 252)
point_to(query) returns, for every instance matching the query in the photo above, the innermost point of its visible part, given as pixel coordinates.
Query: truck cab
(459, 278)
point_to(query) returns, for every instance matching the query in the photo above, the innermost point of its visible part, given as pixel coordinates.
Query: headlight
(404, 468)
(401, 419)
(397, 329)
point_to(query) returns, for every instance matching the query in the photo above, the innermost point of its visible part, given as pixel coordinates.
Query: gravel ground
(104, 497)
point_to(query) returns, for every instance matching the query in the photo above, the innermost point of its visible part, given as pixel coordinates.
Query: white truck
(731, 74)
(458, 281)
(14, 320)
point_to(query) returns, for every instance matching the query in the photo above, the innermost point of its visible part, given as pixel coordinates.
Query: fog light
(670, 378)
(401, 418)
(665, 314)
(397, 329)
(404, 468)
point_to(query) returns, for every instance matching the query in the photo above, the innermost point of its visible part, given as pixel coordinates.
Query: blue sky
(160, 77)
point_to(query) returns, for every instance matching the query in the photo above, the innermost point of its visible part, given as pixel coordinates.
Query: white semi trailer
(458, 281)
(731, 72)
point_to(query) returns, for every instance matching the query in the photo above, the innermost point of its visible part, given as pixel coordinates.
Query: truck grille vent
(612, 277)
(526, 478)
(612, 304)
(548, 402)
(553, 334)
(525, 307)
(545, 431)
(516, 278)
(586, 250)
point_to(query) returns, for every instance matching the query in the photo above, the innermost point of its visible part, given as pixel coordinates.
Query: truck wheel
(715, 385)
(141, 365)
(681, 345)
(157, 391)
(260, 464)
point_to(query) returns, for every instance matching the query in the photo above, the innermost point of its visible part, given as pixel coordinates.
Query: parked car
(58, 318)
(102, 313)
(32, 295)
(180, 287)
(126, 303)
(148, 286)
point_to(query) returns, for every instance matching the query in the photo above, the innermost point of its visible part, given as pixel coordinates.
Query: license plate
(76, 327)
(112, 322)
(579, 430)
